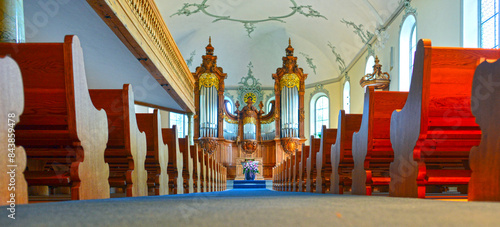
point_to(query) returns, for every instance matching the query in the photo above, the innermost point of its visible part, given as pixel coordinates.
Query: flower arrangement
(250, 166)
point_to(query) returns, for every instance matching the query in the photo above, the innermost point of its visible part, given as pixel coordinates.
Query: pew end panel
(435, 129)
(12, 106)
(484, 161)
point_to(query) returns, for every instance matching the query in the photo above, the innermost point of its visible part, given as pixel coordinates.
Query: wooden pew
(187, 170)
(311, 164)
(60, 123)
(484, 184)
(175, 160)
(126, 149)
(208, 161)
(196, 168)
(303, 168)
(371, 145)
(203, 176)
(323, 159)
(12, 106)
(341, 153)
(434, 132)
(157, 151)
(295, 170)
(289, 172)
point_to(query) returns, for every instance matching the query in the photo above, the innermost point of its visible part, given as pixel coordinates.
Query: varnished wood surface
(371, 150)
(175, 160)
(437, 112)
(157, 150)
(341, 151)
(484, 183)
(127, 144)
(323, 159)
(59, 112)
(311, 164)
(187, 163)
(12, 106)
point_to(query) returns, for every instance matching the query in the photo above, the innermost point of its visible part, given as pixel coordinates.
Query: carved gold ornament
(249, 120)
(249, 146)
(290, 145)
(250, 95)
(228, 120)
(290, 80)
(208, 145)
(209, 80)
(270, 120)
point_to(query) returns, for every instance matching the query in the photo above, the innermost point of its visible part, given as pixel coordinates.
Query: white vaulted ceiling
(266, 46)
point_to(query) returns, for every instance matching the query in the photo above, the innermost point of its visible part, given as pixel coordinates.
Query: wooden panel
(124, 132)
(341, 151)
(371, 143)
(157, 150)
(60, 66)
(175, 160)
(12, 105)
(323, 159)
(484, 161)
(187, 163)
(439, 90)
(311, 164)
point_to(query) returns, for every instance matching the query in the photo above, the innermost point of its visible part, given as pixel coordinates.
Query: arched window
(347, 97)
(180, 120)
(407, 47)
(268, 104)
(369, 65)
(489, 19)
(320, 113)
(229, 105)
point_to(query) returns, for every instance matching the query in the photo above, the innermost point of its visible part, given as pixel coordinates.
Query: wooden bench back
(46, 82)
(146, 123)
(484, 184)
(115, 102)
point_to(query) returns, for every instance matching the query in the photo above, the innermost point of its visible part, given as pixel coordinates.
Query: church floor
(257, 207)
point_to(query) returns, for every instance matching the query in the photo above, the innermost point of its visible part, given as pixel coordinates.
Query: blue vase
(249, 175)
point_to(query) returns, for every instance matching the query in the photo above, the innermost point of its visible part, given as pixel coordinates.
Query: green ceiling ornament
(338, 58)
(189, 61)
(365, 35)
(309, 61)
(192, 8)
(250, 84)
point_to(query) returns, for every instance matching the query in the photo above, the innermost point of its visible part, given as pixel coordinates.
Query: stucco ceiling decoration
(311, 34)
(250, 25)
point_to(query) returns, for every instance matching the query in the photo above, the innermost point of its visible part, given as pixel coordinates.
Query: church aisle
(259, 207)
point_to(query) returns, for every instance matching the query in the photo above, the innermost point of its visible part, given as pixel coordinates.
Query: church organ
(241, 133)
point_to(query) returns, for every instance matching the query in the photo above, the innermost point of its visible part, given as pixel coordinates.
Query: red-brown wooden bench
(311, 164)
(371, 146)
(196, 168)
(175, 160)
(323, 159)
(126, 149)
(303, 169)
(341, 152)
(434, 132)
(484, 184)
(60, 125)
(157, 151)
(295, 170)
(187, 169)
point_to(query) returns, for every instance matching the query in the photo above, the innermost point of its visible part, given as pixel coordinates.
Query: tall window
(489, 19)
(347, 97)
(321, 114)
(369, 65)
(268, 104)
(180, 120)
(229, 105)
(407, 47)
